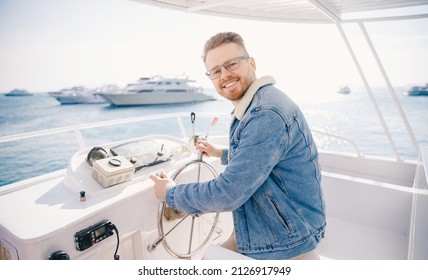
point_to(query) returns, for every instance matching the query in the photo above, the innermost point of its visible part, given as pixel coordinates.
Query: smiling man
(272, 180)
(230, 80)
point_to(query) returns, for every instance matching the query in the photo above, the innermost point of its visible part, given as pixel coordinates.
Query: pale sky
(51, 44)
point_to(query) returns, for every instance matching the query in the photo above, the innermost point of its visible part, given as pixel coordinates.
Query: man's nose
(224, 73)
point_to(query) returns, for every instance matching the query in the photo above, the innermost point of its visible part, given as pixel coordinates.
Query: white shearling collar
(242, 105)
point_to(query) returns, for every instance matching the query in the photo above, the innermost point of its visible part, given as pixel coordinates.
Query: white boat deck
(370, 219)
(353, 241)
(376, 212)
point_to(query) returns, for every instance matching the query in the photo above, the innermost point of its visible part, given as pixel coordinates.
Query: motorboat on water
(344, 90)
(82, 94)
(18, 92)
(158, 90)
(102, 205)
(420, 90)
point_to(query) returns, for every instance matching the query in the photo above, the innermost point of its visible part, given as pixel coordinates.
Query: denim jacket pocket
(279, 214)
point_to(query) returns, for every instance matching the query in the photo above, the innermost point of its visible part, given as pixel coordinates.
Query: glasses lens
(230, 65)
(214, 73)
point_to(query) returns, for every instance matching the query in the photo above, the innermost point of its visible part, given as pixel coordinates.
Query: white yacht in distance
(344, 90)
(82, 94)
(157, 90)
(377, 207)
(18, 92)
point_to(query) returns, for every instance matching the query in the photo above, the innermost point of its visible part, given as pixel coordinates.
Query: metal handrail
(76, 129)
(369, 91)
(390, 88)
(359, 154)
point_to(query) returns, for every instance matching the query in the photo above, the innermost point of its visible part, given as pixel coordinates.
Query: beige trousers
(230, 244)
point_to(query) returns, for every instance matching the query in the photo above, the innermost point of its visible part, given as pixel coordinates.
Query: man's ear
(252, 63)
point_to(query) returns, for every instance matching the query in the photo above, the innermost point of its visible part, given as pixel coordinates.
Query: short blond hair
(223, 38)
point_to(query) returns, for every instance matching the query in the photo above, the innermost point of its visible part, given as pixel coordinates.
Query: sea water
(351, 116)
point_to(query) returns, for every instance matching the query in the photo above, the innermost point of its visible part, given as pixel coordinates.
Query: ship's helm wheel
(173, 225)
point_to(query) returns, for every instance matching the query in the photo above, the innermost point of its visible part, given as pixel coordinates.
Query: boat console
(104, 206)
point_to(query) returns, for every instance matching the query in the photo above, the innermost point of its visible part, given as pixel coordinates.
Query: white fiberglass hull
(129, 99)
(376, 209)
(65, 100)
(50, 212)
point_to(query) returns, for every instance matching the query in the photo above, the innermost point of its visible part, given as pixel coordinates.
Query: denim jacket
(272, 181)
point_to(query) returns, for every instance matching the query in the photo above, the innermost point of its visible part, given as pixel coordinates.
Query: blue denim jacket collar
(245, 101)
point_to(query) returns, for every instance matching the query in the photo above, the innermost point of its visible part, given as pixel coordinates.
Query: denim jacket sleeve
(224, 156)
(255, 148)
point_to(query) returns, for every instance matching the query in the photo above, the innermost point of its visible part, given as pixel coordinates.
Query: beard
(234, 87)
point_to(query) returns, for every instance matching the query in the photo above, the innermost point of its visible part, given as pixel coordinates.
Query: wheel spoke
(191, 235)
(199, 173)
(176, 225)
(213, 224)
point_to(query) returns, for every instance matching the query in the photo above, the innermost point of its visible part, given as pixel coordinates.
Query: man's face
(231, 84)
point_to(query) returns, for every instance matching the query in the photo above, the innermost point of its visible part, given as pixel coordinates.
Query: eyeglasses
(229, 65)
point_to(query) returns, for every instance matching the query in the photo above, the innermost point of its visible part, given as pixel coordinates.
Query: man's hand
(162, 184)
(208, 149)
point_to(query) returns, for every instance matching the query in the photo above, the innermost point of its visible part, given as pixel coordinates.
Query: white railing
(352, 143)
(58, 155)
(418, 225)
(76, 129)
